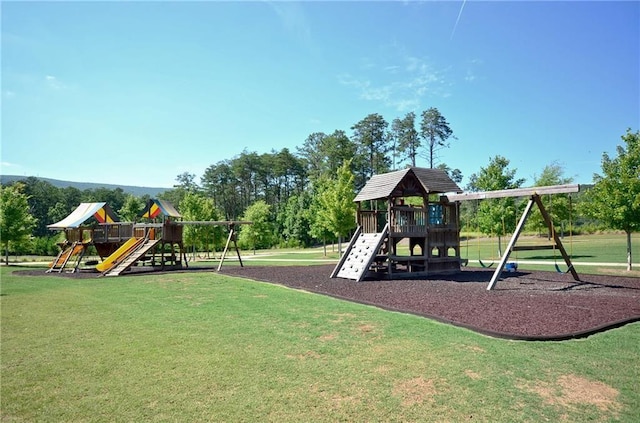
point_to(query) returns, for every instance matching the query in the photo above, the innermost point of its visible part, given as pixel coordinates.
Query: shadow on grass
(552, 257)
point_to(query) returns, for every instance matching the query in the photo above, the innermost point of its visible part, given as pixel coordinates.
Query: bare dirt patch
(415, 391)
(570, 391)
(328, 337)
(578, 390)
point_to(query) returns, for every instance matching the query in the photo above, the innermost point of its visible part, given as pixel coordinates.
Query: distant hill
(137, 191)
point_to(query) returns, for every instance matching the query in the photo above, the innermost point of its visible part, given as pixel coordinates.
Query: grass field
(205, 347)
(588, 253)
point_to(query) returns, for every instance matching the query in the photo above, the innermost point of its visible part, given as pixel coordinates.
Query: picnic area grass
(207, 347)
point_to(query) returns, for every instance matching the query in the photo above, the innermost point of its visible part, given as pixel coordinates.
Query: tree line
(306, 198)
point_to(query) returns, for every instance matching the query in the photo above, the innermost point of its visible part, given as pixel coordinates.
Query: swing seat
(560, 270)
(486, 266)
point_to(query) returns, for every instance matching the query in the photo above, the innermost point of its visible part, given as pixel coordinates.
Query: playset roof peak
(407, 182)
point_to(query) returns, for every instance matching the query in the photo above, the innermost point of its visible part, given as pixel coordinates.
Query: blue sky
(136, 93)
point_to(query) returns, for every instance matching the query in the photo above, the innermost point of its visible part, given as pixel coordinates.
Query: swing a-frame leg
(232, 237)
(535, 199)
(556, 238)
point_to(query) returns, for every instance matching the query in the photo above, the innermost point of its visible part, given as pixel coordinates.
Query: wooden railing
(119, 232)
(408, 220)
(372, 221)
(113, 232)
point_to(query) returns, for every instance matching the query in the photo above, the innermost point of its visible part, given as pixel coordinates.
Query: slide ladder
(75, 250)
(360, 254)
(131, 257)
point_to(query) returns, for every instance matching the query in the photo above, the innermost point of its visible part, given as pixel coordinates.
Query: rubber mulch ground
(522, 305)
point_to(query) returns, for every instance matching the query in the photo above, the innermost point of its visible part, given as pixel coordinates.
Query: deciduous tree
(558, 205)
(337, 209)
(196, 207)
(294, 221)
(131, 208)
(16, 223)
(496, 216)
(615, 196)
(260, 233)
(324, 154)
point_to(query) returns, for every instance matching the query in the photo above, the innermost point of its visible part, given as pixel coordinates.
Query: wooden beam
(232, 237)
(214, 222)
(556, 238)
(517, 192)
(512, 242)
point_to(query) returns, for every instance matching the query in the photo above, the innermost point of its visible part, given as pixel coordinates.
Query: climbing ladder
(131, 257)
(360, 254)
(75, 250)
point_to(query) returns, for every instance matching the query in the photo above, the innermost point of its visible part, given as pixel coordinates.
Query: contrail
(458, 20)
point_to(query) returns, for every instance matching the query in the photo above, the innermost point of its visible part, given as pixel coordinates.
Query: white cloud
(470, 77)
(54, 83)
(401, 85)
(293, 19)
(473, 65)
(9, 165)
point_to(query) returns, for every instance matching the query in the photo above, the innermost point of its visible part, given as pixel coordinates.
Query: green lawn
(206, 347)
(585, 250)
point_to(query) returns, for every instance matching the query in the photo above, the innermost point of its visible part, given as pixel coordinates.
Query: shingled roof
(403, 183)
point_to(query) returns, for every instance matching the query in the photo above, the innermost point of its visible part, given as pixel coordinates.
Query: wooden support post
(512, 242)
(556, 238)
(184, 255)
(231, 237)
(235, 244)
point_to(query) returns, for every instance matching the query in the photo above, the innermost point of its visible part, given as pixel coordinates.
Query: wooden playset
(430, 226)
(120, 245)
(157, 241)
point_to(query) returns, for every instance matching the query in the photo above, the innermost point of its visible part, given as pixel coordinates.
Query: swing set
(482, 264)
(534, 195)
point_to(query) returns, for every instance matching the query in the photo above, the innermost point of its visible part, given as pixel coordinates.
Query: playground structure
(534, 194)
(122, 245)
(432, 229)
(78, 237)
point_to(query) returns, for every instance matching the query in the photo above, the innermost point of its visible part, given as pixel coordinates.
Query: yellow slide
(124, 249)
(66, 255)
